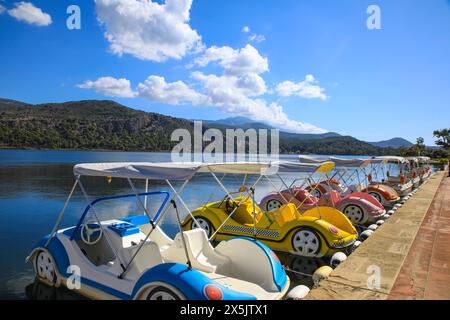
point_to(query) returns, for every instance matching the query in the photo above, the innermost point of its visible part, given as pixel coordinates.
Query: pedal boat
(355, 180)
(316, 232)
(133, 258)
(413, 174)
(402, 182)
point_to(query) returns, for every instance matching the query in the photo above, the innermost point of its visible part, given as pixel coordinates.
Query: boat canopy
(339, 162)
(185, 170)
(299, 167)
(393, 159)
(164, 170)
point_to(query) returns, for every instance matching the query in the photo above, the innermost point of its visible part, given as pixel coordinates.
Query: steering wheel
(91, 232)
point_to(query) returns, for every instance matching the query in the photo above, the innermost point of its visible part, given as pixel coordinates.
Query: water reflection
(40, 291)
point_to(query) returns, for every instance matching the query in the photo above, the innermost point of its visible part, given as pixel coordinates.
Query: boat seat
(335, 197)
(201, 253)
(285, 214)
(244, 213)
(147, 257)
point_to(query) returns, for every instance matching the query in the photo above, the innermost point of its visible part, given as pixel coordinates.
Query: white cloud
(239, 90)
(306, 89)
(27, 12)
(229, 95)
(2, 9)
(236, 62)
(256, 38)
(156, 89)
(148, 30)
(110, 86)
(246, 29)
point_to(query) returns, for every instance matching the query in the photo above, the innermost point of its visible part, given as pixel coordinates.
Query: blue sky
(307, 66)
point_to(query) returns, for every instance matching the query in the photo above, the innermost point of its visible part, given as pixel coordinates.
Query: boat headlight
(333, 229)
(213, 292)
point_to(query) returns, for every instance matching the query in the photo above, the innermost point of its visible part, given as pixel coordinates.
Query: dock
(408, 257)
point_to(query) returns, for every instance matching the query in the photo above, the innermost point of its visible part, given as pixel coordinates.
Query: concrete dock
(408, 257)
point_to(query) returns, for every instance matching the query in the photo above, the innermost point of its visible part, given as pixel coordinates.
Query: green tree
(443, 140)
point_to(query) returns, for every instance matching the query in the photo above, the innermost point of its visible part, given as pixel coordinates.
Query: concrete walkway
(384, 252)
(425, 273)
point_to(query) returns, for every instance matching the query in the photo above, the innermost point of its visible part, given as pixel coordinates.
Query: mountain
(107, 125)
(245, 123)
(393, 143)
(8, 103)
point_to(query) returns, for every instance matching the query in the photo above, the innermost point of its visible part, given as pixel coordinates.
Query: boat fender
(379, 222)
(372, 227)
(365, 234)
(356, 244)
(321, 273)
(337, 258)
(298, 293)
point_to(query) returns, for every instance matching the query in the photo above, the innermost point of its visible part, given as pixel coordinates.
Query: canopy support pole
(177, 194)
(231, 198)
(61, 213)
(146, 190)
(100, 224)
(140, 202)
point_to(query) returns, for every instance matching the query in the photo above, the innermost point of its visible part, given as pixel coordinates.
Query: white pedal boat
(132, 258)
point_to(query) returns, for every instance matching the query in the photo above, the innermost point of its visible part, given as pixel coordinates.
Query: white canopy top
(163, 171)
(298, 167)
(339, 162)
(391, 159)
(185, 170)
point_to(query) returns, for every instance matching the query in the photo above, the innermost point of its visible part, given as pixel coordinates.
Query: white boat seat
(201, 253)
(147, 257)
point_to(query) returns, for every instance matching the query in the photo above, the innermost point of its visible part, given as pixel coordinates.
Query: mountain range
(107, 125)
(245, 123)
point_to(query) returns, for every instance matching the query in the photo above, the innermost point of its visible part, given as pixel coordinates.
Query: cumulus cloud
(238, 90)
(110, 86)
(307, 88)
(231, 96)
(156, 89)
(27, 12)
(245, 29)
(235, 61)
(147, 29)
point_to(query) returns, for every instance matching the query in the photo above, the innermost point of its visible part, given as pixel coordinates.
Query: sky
(301, 66)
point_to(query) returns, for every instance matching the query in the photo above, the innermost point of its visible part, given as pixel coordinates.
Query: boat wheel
(162, 293)
(45, 267)
(376, 196)
(203, 224)
(273, 205)
(354, 213)
(316, 193)
(306, 242)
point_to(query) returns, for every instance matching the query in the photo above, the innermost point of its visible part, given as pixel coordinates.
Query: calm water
(35, 184)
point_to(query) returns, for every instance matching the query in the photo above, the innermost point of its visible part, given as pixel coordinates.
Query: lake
(35, 184)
